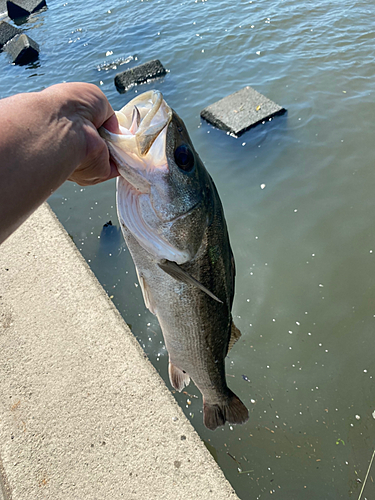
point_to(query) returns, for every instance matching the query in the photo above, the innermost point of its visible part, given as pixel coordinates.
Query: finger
(112, 125)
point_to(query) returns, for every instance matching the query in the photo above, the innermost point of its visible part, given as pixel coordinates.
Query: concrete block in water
(7, 32)
(240, 111)
(22, 49)
(23, 8)
(139, 74)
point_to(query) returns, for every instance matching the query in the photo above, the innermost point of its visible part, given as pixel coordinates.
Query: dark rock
(7, 32)
(23, 8)
(139, 74)
(22, 49)
(240, 111)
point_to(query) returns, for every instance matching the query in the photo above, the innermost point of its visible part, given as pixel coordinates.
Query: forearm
(44, 137)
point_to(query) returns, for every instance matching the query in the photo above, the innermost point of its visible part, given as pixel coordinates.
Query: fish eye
(184, 158)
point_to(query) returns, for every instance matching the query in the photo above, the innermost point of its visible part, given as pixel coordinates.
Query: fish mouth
(140, 147)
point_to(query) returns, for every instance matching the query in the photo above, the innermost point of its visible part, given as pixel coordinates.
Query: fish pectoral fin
(235, 334)
(178, 378)
(147, 296)
(176, 272)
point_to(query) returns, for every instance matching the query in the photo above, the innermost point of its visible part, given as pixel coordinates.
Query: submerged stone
(22, 49)
(240, 111)
(23, 8)
(139, 74)
(7, 32)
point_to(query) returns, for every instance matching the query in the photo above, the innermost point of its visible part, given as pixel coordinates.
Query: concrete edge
(80, 406)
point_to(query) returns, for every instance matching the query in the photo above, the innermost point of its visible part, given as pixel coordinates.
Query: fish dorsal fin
(235, 334)
(176, 272)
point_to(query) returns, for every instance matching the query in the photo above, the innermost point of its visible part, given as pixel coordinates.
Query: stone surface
(7, 32)
(22, 49)
(23, 8)
(240, 111)
(83, 413)
(139, 74)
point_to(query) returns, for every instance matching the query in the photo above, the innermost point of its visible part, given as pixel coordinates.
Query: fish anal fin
(178, 378)
(235, 334)
(176, 272)
(232, 411)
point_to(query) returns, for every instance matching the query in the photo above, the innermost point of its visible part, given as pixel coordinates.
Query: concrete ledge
(83, 414)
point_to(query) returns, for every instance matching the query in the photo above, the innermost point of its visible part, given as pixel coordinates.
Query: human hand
(86, 108)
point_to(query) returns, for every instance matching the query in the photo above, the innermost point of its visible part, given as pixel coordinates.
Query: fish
(173, 223)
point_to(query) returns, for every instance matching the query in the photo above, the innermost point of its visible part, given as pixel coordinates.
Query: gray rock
(3, 8)
(7, 32)
(22, 49)
(240, 111)
(139, 74)
(23, 8)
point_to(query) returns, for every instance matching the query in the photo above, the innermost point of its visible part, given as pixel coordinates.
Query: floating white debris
(258, 53)
(109, 53)
(373, 414)
(357, 417)
(262, 186)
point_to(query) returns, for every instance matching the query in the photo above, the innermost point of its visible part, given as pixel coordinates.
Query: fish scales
(173, 223)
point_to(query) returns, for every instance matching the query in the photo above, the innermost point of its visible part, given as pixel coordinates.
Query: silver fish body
(173, 224)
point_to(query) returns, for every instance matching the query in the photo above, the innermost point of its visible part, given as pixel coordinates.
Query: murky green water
(304, 243)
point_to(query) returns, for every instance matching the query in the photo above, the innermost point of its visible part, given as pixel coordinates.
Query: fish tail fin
(232, 411)
(178, 378)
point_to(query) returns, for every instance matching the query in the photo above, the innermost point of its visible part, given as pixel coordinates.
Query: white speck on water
(364, 371)
(109, 53)
(321, 286)
(262, 186)
(298, 323)
(202, 51)
(253, 402)
(373, 414)
(358, 417)
(244, 144)
(258, 53)
(295, 210)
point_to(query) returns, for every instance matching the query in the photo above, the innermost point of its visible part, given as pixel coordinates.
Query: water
(304, 243)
